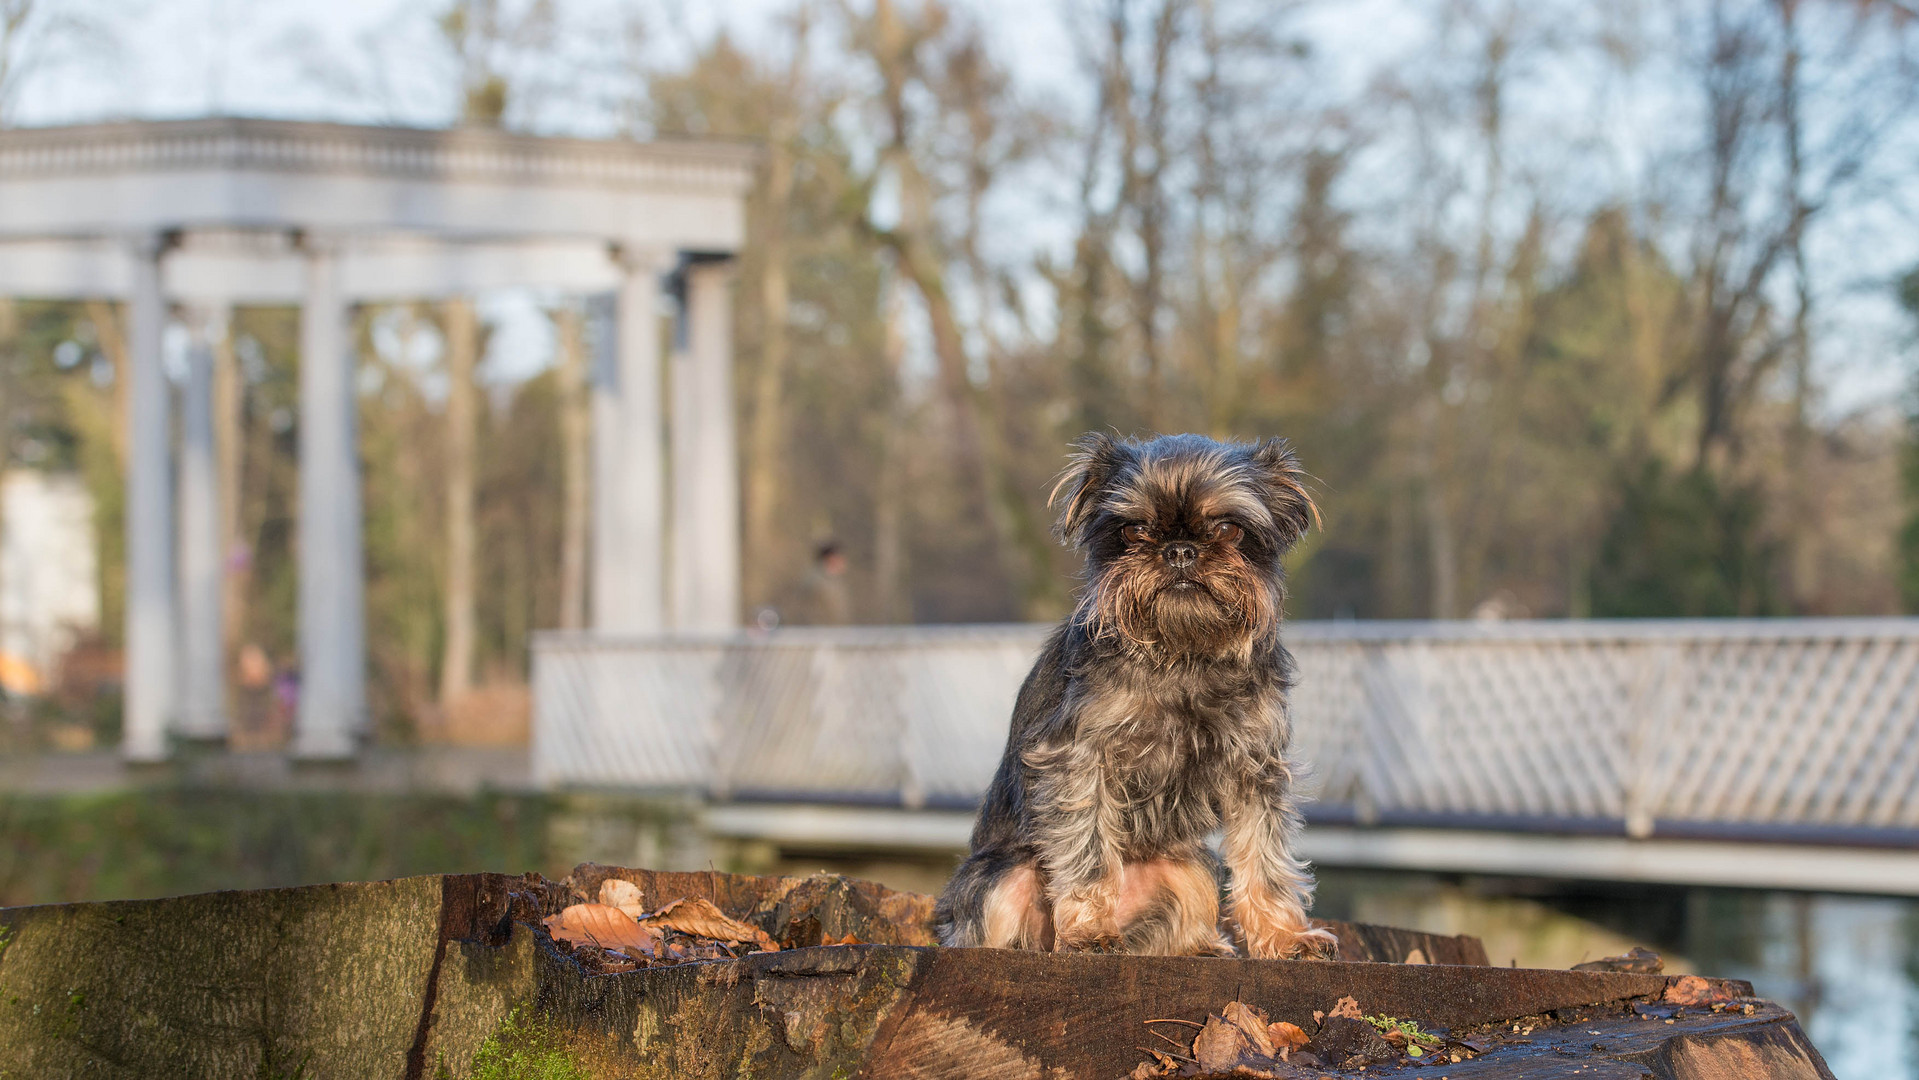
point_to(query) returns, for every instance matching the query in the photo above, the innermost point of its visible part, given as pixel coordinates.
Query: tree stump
(453, 976)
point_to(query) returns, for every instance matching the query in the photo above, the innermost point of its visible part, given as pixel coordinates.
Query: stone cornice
(464, 154)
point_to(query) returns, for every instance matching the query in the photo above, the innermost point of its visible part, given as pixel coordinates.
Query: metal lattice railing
(1767, 726)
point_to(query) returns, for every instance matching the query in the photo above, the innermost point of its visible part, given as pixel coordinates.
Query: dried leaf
(699, 917)
(1287, 1036)
(828, 939)
(1638, 960)
(1474, 1046)
(1161, 1065)
(1693, 990)
(1252, 1023)
(1347, 1007)
(1219, 1045)
(607, 927)
(623, 894)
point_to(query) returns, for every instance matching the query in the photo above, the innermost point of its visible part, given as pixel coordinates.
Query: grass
(167, 842)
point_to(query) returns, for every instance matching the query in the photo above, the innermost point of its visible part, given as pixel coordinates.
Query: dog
(1155, 715)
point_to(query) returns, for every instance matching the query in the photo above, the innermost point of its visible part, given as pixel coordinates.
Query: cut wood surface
(426, 977)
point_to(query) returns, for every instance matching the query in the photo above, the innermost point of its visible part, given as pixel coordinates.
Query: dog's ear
(1097, 458)
(1292, 506)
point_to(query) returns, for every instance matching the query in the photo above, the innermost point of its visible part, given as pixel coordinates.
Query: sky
(258, 57)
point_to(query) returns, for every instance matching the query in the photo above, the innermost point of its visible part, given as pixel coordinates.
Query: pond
(1847, 965)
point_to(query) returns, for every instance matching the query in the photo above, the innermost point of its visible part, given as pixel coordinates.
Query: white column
(704, 574)
(628, 470)
(332, 588)
(149, 693)
(203, 713)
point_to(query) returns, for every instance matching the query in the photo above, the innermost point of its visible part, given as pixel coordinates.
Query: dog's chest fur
(1171, 750)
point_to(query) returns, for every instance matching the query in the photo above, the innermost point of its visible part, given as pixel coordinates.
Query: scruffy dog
(1155, 715)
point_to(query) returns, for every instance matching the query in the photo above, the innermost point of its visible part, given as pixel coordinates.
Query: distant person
(254, 722)
(827, 602)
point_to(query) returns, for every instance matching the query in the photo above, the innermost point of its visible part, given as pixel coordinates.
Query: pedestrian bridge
(1778, 753)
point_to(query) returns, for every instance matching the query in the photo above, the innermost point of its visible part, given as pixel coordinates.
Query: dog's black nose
(1179, 554)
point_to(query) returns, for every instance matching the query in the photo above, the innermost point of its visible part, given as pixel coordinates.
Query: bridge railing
(1788, 728)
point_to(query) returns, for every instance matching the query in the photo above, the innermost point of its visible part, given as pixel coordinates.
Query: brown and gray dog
(1155, 716)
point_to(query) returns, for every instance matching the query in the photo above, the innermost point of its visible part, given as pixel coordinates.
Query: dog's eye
(1228, 533)
(1134, 534)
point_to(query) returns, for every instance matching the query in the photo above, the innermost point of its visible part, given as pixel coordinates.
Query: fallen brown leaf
(1347, 1007)
(1252, 1023)
(1287, 1036)
(623, 894)
(607, 927)
(1693, 990)
(1219, 1045)
(699, 917)
(828, 939)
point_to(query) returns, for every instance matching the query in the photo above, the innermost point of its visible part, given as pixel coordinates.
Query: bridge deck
(1726, 863)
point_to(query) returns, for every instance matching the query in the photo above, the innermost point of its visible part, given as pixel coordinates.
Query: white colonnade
(207, 216)
(150, 660)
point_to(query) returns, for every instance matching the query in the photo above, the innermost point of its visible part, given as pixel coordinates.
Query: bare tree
(462, 335)
(495, 49)
(896, 45)
(767, 432)
(576, 443)
(39, 36)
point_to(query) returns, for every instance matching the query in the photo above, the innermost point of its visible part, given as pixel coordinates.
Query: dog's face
(1183, 537)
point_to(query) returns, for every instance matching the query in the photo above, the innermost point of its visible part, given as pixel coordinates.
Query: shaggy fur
(1155, 715)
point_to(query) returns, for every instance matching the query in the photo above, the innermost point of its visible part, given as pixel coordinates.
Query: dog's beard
(1215, 612)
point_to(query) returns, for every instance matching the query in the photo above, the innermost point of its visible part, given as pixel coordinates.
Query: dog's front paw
(1282, 943)
(1221, 945)
(1085, 923)
(1096, 945)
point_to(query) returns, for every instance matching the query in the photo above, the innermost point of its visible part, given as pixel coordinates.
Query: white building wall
(49, 574)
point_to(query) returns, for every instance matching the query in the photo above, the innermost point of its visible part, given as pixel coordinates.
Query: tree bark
(1803, 558)
(462, 354)
(575, 439)
(766, 441)
(113, 345)
(889, 546)
(229, 419)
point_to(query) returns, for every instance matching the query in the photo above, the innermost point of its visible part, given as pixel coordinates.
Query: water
(1847, 965)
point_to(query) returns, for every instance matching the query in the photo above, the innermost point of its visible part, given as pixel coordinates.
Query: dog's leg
(1075, 826)
(1170, 907)
(1015, 915)
(1270, 888)
(994, 900)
